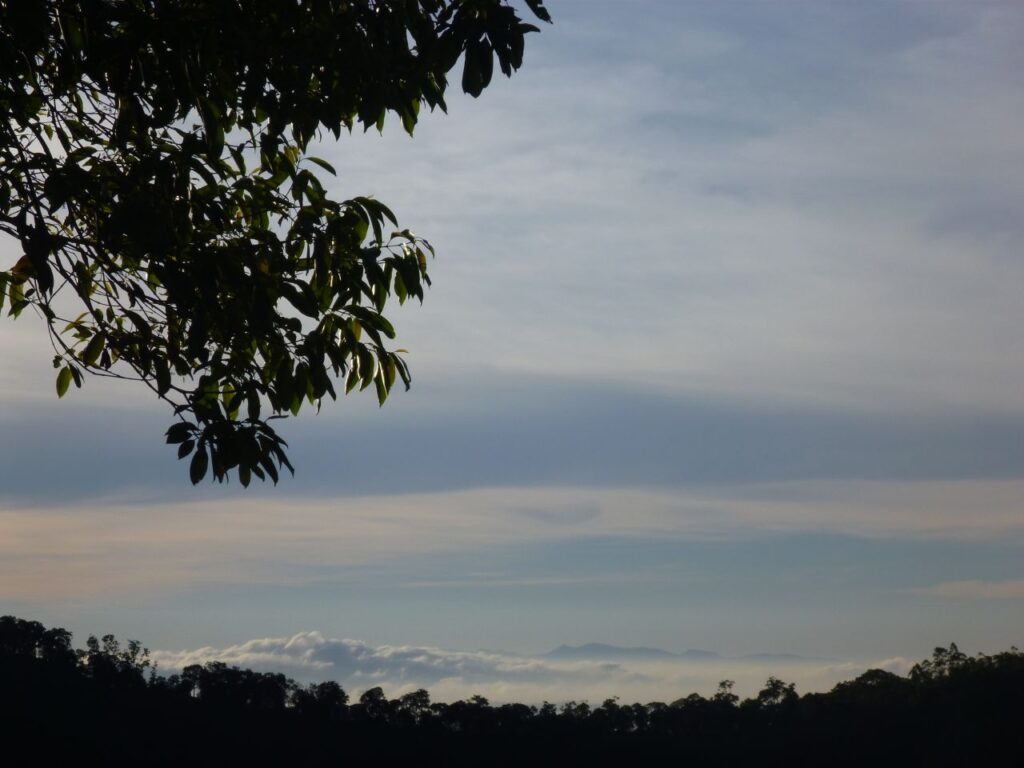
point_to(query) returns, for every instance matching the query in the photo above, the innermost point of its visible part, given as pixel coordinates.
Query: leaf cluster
(174, 228)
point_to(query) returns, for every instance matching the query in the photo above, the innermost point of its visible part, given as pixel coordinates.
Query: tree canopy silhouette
(174, 230)
(107, 703)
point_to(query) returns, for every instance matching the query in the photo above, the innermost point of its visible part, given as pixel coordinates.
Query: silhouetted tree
(102, 704)
(323, 701)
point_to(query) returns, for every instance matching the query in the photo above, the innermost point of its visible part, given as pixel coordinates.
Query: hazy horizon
(503, 677)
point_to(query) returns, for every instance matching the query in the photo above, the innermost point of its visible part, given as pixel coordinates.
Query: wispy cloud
(137, 548)
(664, 205)
(504, 430)
(586, 218)
(861, 256)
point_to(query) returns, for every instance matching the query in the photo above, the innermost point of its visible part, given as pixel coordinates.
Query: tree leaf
(323, 164)
(179, 432)
(92, 350)
(198, 466)
(537, 6)
(63, 381)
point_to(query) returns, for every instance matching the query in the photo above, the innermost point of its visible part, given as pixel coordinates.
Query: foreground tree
(154, 169)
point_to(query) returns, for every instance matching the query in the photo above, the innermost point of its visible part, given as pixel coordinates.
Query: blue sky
(723, 351)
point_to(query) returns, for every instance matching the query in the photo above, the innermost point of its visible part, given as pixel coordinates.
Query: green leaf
(213, 127)
(163, 376)
(198, 466)
(16, 291)
(92, 350)
(408, 121)
(400, 290)
(477, 67)
(390, 371)
(367, 367)
(323, 164)
(63, 381)
(179, 432)
(352, 381)
(537, 6)
(472, 80)
(268, 465)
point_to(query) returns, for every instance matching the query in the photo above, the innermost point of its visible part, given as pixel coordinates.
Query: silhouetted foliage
(106, 703)
(174, 231)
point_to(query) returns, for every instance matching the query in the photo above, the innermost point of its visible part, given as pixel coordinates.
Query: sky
(723, 352)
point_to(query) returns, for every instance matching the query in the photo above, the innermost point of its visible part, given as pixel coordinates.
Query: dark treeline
(106, 703)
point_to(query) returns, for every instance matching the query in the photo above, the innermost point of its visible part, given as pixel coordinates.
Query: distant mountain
(604, 651)
(778, 657)
(697, 654)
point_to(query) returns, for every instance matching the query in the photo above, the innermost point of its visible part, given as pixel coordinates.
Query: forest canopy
(174, 228)
(107, 701)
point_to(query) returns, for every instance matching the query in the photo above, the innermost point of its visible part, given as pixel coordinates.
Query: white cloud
(847, 670)
(450, 675)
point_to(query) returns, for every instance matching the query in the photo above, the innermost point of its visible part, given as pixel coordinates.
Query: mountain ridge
(607, 652)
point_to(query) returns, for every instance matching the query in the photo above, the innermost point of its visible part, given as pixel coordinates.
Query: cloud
(515, 430)
(976, 590)
(578, 238)
(451, 674)
(847, 670)
(308, 654)
(582, 240)
(155, 547)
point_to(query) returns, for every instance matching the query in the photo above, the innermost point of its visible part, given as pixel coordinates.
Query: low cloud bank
(501, 677)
